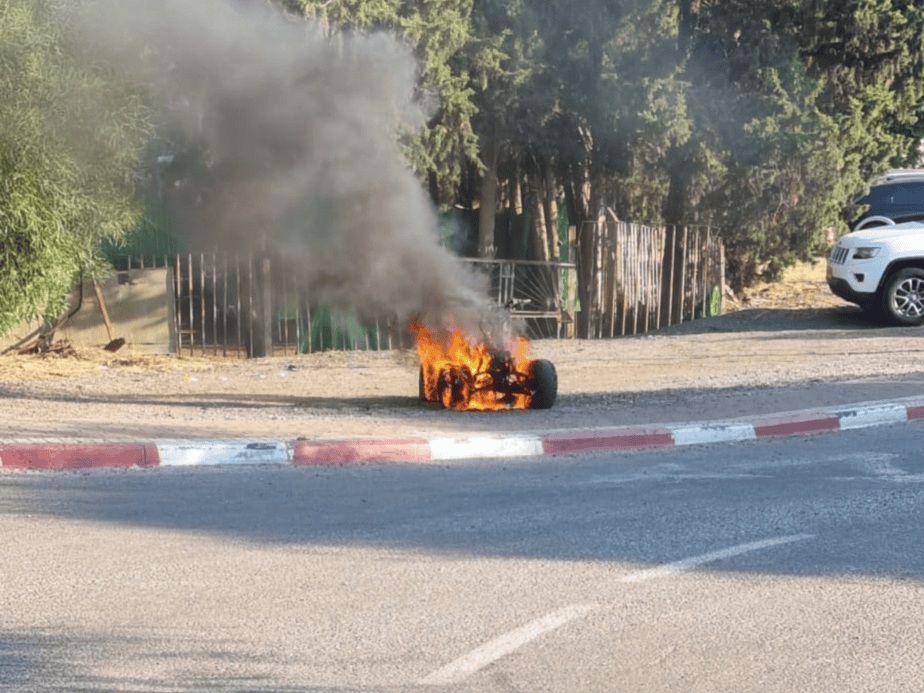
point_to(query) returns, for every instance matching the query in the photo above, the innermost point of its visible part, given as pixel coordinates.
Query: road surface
(793, 564)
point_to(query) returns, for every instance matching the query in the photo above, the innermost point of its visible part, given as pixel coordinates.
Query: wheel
(425, 394)
(544, 384)
(903, 298)
(454, 387)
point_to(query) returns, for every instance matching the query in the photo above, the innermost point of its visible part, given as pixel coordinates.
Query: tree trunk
(539, 248)
(673, 256)
(487, 213)
(515, 235)
(582, 206)
(552, 211)
(517, 185)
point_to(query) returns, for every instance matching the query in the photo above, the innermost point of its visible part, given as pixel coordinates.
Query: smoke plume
(295, 153)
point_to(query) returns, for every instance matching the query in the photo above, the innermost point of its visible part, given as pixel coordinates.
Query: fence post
(283, 318)
(267, 309)
(670, 282)
(618, 283)
(172, 318)
(650, 276)
(240, 305)
(707, 271)
(599, 257)
(657, 252)
(610, 278)
(192, 319)
(202, 300)
(224, 307)
(694, 283)
(683, 275)
(177, 310)
(637, 265)
(251, 338)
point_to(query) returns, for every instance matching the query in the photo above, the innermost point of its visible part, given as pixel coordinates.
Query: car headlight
(865, 253)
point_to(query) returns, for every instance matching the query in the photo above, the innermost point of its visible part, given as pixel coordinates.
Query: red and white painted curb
(472, 446)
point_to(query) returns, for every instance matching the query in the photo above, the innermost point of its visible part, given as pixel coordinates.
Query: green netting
(332, 329)
(152, 238)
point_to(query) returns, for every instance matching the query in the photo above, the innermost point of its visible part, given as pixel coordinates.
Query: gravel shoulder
(749, 362)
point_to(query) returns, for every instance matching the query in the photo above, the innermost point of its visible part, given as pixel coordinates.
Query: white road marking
(670, 476)
(688, 563)
(879, 466)
(490, 652)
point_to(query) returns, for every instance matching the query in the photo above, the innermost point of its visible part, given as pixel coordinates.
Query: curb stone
(70, 456)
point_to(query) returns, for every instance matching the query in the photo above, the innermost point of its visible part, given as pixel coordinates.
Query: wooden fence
(639, 278)
(238, 305)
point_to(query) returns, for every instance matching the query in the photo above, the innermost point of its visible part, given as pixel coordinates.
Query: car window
(884, 197)
(908, 194)
(877, 197)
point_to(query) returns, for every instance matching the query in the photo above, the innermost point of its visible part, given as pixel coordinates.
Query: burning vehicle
(462, 376)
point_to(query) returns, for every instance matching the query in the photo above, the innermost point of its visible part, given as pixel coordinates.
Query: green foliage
(816, 99)
(766, 116)
(70, 137)
(440, 32)
(760, 117)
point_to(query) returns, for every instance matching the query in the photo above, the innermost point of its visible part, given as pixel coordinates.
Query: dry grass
(67, 362)
(801, 286)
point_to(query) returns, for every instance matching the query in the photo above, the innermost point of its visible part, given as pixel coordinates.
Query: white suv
(882, 270)
(893, 198)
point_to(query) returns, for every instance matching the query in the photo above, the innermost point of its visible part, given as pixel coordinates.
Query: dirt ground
(802, 287)
(791, 333)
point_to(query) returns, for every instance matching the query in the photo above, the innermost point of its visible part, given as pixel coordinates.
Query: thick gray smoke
(296, 135)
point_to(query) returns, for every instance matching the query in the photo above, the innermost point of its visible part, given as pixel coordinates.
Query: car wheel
(903, 299)
(543, 383)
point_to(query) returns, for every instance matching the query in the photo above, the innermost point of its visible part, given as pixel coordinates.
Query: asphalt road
(783, 565)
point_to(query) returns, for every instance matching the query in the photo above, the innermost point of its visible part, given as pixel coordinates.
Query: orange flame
(463, 376)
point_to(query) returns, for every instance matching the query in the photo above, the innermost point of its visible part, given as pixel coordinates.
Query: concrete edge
(64, 456)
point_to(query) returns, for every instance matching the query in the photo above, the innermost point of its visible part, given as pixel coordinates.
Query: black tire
(544, 384)
(433, 395)
(454, 387)
(903, 297)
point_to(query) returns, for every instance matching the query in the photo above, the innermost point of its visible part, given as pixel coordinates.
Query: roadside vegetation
(71, 136)
(758, 117)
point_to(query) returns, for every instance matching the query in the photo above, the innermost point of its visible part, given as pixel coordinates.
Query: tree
(760, 117)
(70, 139)
(440, 33)
(565, 109)
(796, 104)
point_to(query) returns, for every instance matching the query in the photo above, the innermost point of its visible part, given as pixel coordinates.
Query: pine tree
(441, 35)
(796, 105)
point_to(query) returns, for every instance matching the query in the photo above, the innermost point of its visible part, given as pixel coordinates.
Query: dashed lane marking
(490, 652)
